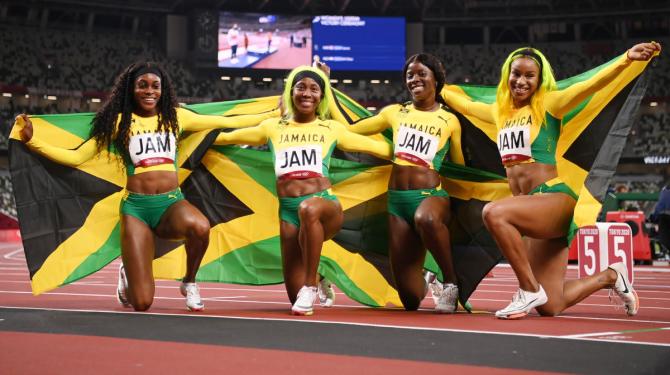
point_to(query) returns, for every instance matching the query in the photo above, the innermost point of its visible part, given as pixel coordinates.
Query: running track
(80, 329)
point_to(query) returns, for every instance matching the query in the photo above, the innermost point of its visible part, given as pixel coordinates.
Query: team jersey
(420, 138)
(303, 150)
(148, 148)
(523, 139)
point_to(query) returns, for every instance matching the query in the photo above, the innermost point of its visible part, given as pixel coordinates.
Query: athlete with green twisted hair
(302, 142)
(527, 113)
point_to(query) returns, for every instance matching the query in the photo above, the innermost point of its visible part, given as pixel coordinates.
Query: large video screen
(262, 41)
(359, 43)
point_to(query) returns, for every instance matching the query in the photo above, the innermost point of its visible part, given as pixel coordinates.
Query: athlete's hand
(322, 66)
(282, 108)
(643, 51)
(26, 127)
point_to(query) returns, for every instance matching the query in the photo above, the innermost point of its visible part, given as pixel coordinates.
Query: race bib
(415, 146)
(299, 162)
(514, 144)
(149, 149)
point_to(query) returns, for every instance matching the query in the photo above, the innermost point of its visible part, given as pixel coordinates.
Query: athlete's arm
(373, 124)
(467, 107)
(560, 102)
(352, 142)
(192, 121)
(71, 158)
(455, 150)
(253, 136)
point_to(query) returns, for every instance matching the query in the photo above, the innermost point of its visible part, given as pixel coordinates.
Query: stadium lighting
(346, 81)
(386, 81)
(246, 79)
(27, 96)
(375, 81)
(267, 79)
(653, 104)
(95, 100)
(333, 80)
(371, 108)
(7, 94)
(225, 78)
(51, 97)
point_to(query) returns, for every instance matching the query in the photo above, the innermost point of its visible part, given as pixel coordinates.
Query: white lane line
(110, 295)
(624, 332)
(629, 320)
(12, 254)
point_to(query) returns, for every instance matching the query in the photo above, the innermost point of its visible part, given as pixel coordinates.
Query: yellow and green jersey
(304, 150)
(149, 149)
(523, 139)
(420, 138)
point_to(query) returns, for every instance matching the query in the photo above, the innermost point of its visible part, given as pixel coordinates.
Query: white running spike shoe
(192, 293)
(122, 287)
(624, 290)
(522, 303)
(447, 300)
(326, 293)
(304, 304)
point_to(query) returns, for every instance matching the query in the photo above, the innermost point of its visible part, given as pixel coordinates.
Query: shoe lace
(306, 295)
(193, 292)
(519, 297)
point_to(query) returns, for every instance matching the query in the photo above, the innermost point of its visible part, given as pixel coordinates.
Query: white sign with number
(603, 244)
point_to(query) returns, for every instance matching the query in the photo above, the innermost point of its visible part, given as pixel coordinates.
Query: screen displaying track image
(262, 41)
(360, 43)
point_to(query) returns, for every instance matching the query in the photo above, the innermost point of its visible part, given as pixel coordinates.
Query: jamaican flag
(69, 216)
(591, 141)
(593, 134)
(70, 221)
(470, 187)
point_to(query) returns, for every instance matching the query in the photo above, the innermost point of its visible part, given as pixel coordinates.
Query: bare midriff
(523, 178)
(156, 182)
(287, 187)
(404, 177)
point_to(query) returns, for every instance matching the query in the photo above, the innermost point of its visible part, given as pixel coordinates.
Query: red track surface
(596, 318)
(194, 358)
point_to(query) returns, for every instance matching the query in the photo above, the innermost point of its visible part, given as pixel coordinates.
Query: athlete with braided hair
(425, 134)
(143, 122)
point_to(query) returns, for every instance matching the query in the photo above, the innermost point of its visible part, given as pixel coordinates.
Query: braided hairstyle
(435, 66)
(121, 103)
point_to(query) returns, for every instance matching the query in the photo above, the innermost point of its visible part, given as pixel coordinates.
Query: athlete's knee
(201, 228)
(493, 215)
(198, 227)
(409, 298)
(427, 221)
(141, 306)
(410, 303)
(308, 212)
(550, 309)
(142, 302)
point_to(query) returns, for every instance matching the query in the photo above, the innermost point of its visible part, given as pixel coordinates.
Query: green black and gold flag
(69, 217)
